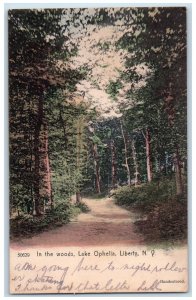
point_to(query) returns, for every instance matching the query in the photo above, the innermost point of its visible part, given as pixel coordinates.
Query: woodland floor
(105, 224)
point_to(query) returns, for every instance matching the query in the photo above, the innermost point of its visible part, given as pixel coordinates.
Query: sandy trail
(105, 224)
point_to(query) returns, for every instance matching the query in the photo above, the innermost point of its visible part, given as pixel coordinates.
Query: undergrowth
(163, 215)
(28, 225)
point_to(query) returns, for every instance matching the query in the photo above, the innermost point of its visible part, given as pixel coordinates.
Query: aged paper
(98, 153)
(99, 270)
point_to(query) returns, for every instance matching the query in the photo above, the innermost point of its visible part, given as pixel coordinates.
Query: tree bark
(78, 197)
(148, 156)
(42, 176)
(135, 162)
(36, 206)
(126, 155)
(31, 158)
(113, 161)
(170, 109)
(47, 174)
(178, 173)
(97, 168)
(79, 148)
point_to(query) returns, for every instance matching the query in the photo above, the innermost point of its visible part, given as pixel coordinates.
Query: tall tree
(135, 162)
(126, 154)
(36, 44)
(113, 163)
(158, 43)
(148, 155)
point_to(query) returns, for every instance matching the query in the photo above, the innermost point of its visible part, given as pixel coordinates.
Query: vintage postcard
(98, 150)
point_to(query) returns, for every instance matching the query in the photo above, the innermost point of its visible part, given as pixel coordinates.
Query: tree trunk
(31, 158)
(126, 155)
(97, 168)
(170, 109)
(36, 208)
(113, 161)
(178, 174)
(79, 148)
(135, 162)
(157, 164)
(47, 174)
(148, 156)
(78, 197)
(42, 176)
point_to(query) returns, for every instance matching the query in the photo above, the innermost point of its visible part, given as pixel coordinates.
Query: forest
(98, 108)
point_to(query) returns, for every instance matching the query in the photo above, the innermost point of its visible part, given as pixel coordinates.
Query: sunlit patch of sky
(97, 50)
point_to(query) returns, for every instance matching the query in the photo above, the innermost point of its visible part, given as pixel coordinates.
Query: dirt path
(105, 224)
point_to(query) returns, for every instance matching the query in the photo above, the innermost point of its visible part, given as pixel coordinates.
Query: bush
(168, 222)
(145, 195)
(82, 207)
(163, 214)
(125, 195)
(28, 225)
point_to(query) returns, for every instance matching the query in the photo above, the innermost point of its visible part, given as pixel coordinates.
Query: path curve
(105, 224)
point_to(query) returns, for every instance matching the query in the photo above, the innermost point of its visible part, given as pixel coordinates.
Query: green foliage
(82, 207)
(165, 222)
(108, 132)
(124, 196)
(67, 139)
(50, 122)
(95, 84)
(37, 107)
(165, 214)
(160, 32)
(146, 195)
(95, 196)
(27, 225)
(104, 46)
(113, 88)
